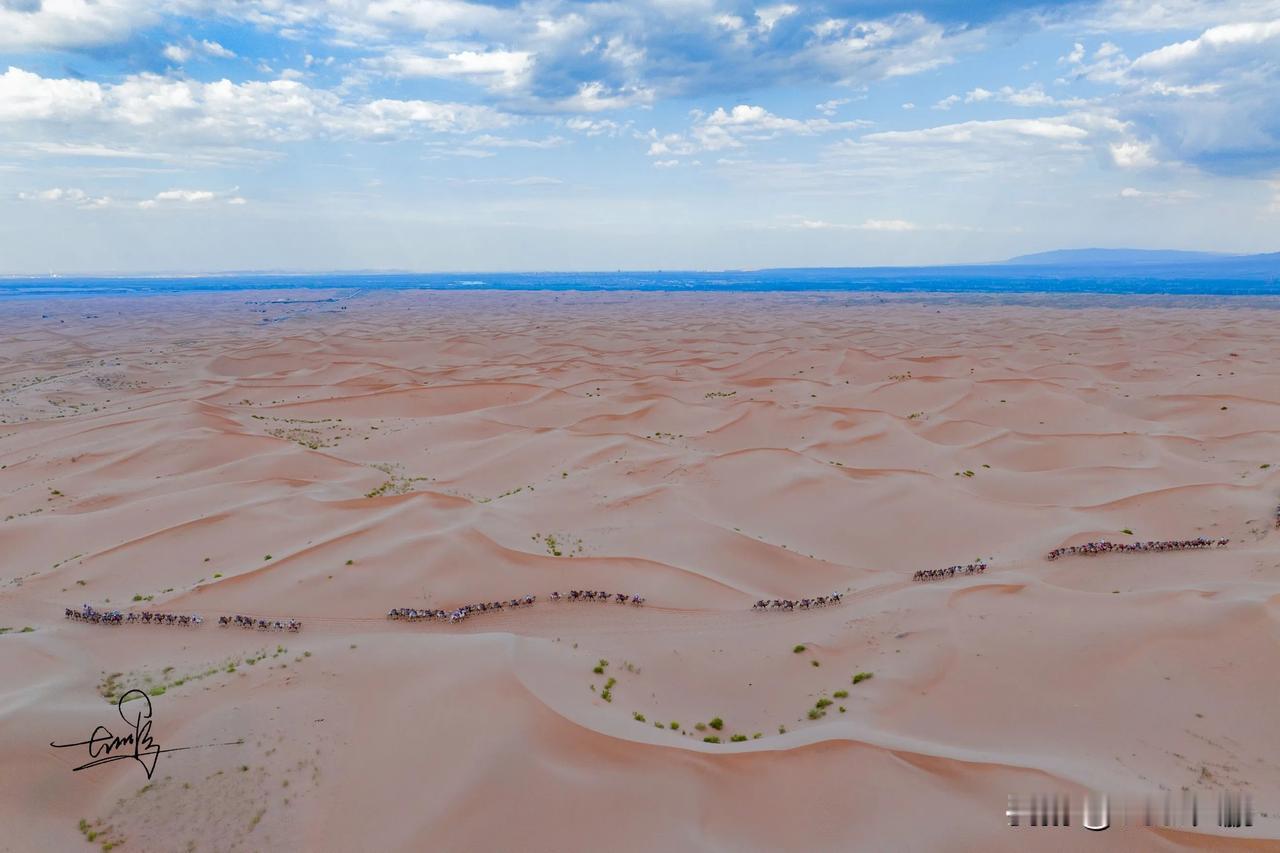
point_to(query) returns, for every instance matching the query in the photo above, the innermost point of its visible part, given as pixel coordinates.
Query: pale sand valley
(261, 453)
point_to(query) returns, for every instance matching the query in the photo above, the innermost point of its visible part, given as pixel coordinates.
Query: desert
(284, 457)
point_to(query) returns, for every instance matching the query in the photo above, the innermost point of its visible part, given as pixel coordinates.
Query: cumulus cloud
(1212, 100)
(1033, 95)
(56, 24)
(181, 52)
(70, 195)
(830, 107)
(1008, 146)
(732, 128)
(190, 198)
(223, 111)
(497, 70)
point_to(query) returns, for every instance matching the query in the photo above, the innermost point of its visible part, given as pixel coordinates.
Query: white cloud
(1164, 197)
(24, 95)
(1058, 131)
(731, 128)
(223, 111)
(191, 198)
(861, 50)
(58, 24)
(829, 108)
(596, 97)
(768, 17)
(69, 195)
(1169, 15)
(490, 141)
(666, 164)
(180, 53)
(497, 70)
(1132, 154)
(1030, 96)
(867, 225)
(212, 48)
(593, 127)
(176, 53)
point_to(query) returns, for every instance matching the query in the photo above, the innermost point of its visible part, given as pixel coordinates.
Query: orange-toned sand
(429, 449)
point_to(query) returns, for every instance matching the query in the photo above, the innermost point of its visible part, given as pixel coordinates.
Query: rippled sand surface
(331, 460)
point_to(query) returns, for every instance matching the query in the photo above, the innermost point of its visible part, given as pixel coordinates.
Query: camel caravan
(597, 595)
(457, 614)
(1104, 547)
(949, 572)
(797, 603)
(115, 617)
(260, 624)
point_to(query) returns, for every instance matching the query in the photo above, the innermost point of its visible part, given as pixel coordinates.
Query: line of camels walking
(453, 615)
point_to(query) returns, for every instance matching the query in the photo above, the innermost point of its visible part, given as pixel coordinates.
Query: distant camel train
(949, 572)
(801, 603)
(1104, 547)
(86, 613)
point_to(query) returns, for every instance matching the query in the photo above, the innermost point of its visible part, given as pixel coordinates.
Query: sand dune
(430, 450)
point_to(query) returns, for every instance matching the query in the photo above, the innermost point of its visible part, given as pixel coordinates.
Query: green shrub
(841, 694)
(599, 670)
(702, 727)
(711, 739)
(158, 690)
(861, 677)
(782, 730)
(638, 717)
(815, 713)
(675, 727)
(815, 663)
(738, 738)
(716, 723)
(824, 702)
(757, 736)
(798, 649)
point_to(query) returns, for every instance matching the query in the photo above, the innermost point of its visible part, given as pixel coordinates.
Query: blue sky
(205, 135)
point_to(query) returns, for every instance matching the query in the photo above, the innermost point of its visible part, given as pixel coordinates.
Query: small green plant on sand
(716, 723)
(738, 738)
(861, 677)
(841, 694)
(798, 649)
(711, 739)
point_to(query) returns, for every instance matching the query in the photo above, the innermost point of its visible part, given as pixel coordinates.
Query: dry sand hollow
(329, 461)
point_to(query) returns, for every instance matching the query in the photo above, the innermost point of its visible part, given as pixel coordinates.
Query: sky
(440, 135)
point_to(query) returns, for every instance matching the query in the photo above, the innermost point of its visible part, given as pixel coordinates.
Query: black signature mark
(104, 747)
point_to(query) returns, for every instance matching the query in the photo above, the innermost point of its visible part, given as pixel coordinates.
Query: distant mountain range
(1101, 257)
(1063, 264)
